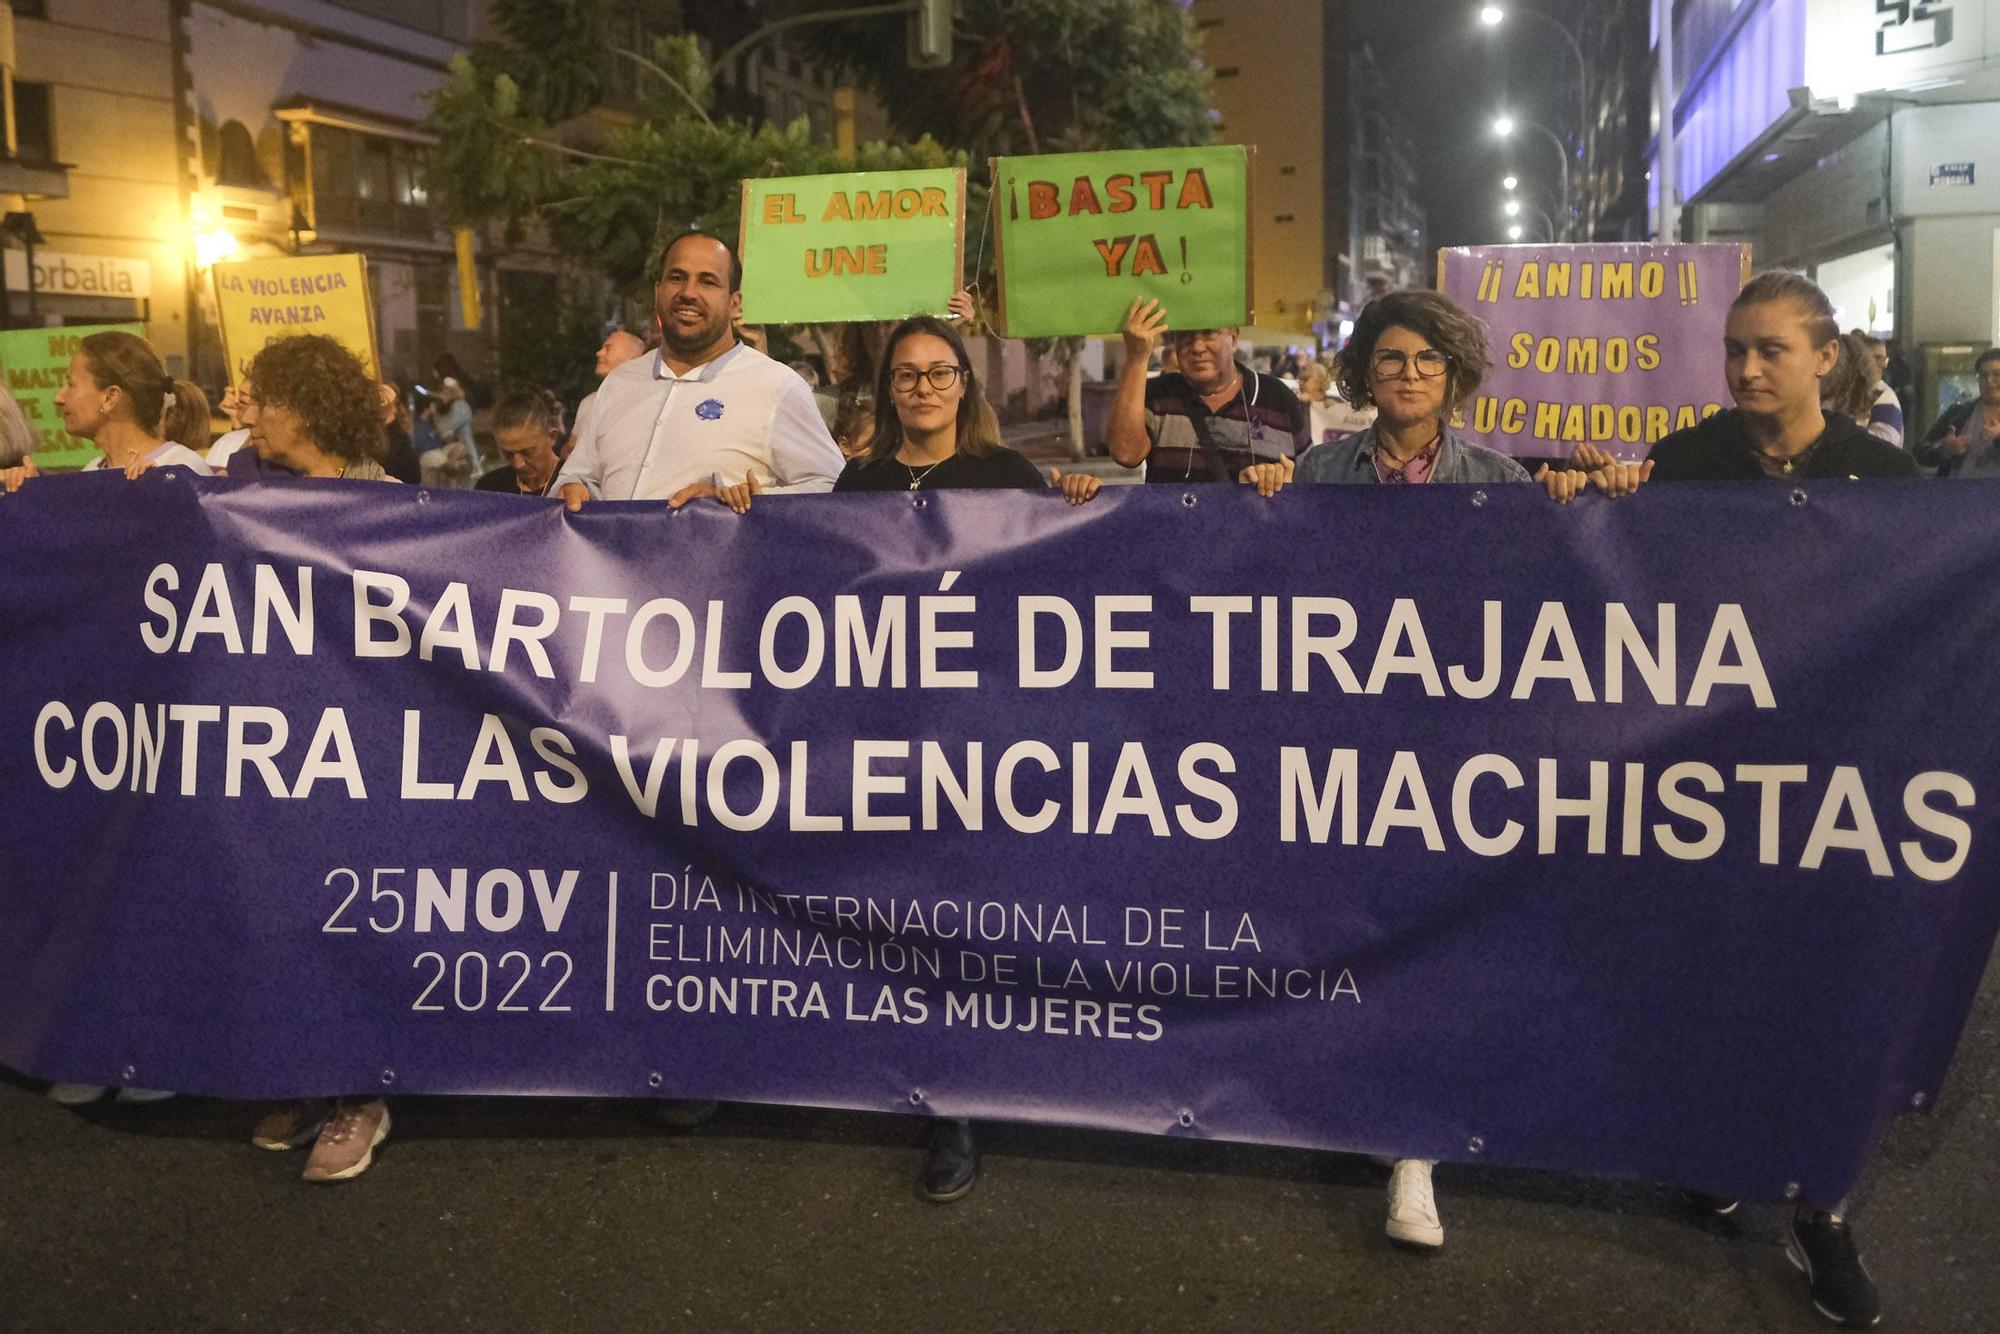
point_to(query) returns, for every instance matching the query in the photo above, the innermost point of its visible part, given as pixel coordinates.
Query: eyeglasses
(1388, 364)
(903, 379)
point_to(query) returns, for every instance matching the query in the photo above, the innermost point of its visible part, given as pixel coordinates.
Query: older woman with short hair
(312, 408)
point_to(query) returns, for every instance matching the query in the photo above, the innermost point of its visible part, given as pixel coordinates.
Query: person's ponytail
(185, 419)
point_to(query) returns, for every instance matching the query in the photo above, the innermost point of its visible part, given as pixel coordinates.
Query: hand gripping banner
(1439, 822)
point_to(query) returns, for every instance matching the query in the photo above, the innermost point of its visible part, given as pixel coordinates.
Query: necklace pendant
(1788, 467)
(916, 482)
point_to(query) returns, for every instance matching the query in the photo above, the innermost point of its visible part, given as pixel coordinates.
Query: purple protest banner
(1616, 838)
(1615, 344)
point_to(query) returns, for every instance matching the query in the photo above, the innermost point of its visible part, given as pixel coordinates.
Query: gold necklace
(917, 478)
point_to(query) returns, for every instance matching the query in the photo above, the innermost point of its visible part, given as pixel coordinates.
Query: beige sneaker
(292, 1126)
(1413, 1215)
(347, 1143)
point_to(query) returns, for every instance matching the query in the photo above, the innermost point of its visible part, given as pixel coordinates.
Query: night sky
(1449, 76)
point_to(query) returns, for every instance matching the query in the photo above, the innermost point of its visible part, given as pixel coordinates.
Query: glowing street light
(1510, 182)
(1513, 208)
(1514, 232)
(1504, 125)
(211, 247)
(1491, 15)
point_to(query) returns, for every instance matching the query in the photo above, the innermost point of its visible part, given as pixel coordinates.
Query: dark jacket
(1719, 450)
(1952, 420)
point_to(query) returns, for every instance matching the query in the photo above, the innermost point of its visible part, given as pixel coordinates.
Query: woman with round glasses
(1414, 357)
(935, 431)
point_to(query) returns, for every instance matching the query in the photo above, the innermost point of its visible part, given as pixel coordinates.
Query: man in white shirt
(705, 411)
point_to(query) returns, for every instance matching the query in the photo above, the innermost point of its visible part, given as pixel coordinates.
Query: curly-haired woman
(312, 408)
(1415, 357)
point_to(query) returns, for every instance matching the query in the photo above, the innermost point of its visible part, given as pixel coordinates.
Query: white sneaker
(1413, 1215)
(76, 1095)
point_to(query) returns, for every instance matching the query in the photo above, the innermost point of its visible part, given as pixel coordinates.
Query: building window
(365, 182)
(433, 294)
(34, 126)
(236, 158)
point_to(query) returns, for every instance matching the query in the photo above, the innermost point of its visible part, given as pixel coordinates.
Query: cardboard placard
(1077, 236)
(875, 245)
(1615, 343)
(262, 300)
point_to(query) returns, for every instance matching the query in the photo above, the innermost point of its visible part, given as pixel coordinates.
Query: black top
(502, 479)
(1002, 470)
(400, 459)
(1720, 450)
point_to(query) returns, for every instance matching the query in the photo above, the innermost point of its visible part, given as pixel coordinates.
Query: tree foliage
(1029, 76)
(1035, 76)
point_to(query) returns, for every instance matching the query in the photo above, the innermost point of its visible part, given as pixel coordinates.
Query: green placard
(1078, 235)
(35, 362)
(874, 245)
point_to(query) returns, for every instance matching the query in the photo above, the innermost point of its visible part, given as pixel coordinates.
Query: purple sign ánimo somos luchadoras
(1616, 344)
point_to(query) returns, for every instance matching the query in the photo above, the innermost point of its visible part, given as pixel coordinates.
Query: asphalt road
(519, 1214)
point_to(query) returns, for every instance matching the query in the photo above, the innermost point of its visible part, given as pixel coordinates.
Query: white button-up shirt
(651, 432)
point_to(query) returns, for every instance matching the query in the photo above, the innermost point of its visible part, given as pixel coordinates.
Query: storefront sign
(1952, 173)
(1868, 46)
(1078, 236)
(60, 274)
(875, 245)
(1615, 344)
(35, 362)
(261, 300)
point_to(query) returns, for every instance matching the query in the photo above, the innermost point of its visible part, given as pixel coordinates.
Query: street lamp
(1504, 125)
(1510, 182)
(1513, 210)
(1492, 16)
(1514, 232)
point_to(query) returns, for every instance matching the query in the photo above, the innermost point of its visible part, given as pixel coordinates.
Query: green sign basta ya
(1078, 236)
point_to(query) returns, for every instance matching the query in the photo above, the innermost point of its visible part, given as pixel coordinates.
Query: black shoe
(951, 1164)
(683, 1113)
(1841, 1288)
(1710, 1204)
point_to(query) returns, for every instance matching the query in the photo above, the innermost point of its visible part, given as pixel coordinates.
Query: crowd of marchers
(699, 413)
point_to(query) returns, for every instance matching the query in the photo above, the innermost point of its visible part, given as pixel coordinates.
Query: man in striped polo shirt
(1212, 420)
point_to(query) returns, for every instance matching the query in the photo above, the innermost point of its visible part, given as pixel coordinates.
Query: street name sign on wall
(262, 300)
(1077, 236)
(875, 245)
(35, 362)
(1615, 344)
